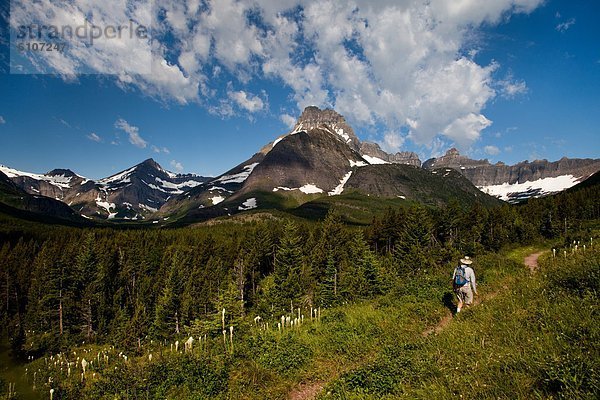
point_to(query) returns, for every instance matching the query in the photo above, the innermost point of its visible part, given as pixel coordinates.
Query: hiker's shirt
(469, 275)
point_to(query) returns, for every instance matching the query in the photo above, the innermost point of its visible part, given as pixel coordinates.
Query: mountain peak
(150, 162)
(453, 152)
(61, 171)
(314, 115)
(314, 118)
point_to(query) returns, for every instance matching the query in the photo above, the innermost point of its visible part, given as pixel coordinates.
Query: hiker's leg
(460, 301)
(468, 294)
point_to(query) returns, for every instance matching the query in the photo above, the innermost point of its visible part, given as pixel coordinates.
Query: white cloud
(402, 64)
(94, 138)
(159, 150)
(104, 54)
(133, 132)
(2, 120)
(564, 26)
(491, 150)
(465, 130)
(247, 101)
(65, 123)
(288, 120)
(177, 166)
(392, 142)
(510, 88)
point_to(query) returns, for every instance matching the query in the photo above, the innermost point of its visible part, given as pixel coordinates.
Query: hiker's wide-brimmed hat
(467, 260)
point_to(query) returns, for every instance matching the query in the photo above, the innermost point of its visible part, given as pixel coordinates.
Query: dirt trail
(309, 391)
(447, 318)
(532, 261)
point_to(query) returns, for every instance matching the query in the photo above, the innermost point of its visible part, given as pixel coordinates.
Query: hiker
(463, 279)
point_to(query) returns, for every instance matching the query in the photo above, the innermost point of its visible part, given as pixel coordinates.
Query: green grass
(363, 349)
(537, 339)
(531, 337)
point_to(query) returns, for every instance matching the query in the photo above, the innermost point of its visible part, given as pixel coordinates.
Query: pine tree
(411, 251)
(361, 280)
(167, 313)
(288, 265)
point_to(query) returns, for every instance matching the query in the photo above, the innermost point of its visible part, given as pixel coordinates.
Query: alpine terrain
(321, 157)
(130, 195)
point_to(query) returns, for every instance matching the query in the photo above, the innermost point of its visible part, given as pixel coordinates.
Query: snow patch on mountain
(340, 188)
(358, 163)
(248, 204)
(105, 205)
(147, 208)
(374, 160)
(310, 189)
(169, 186)
(340, 132)
(277, 141)
(219, 188)
(537, 188)
(168, 173)
(239, 177)
(60, 181)
(118, 179)
(217, 199)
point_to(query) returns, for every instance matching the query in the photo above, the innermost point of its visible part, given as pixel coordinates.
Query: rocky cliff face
(16, 198)
(370, 149)
(453, 159)
(311, 161)
(130, 194)
(314, 118)
(321, 156)
(519, 181)
(482, 173)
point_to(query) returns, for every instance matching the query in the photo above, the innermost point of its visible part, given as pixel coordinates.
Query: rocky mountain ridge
(320, 156)
(15, 198)
(130, 194)
(520, 181)
(371, 151)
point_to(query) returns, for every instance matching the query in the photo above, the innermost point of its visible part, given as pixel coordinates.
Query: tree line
(62, 286)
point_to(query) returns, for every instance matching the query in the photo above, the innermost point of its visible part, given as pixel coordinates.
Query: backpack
(460, 278)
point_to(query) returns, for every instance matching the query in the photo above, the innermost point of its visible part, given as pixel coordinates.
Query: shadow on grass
(448, 300)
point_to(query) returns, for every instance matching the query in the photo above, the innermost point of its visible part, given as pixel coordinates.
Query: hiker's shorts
(465, 294)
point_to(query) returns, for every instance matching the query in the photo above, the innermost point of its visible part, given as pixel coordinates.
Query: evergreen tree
(411, 251)
(167, 319)
(288, 266)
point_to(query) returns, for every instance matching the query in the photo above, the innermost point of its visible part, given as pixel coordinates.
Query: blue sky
(515, 80)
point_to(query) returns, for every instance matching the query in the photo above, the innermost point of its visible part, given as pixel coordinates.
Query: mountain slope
(312, 162)
(130, 194)
(373, 153)
(320, 158)
(435, 187)
(15, 199)
(514, 183)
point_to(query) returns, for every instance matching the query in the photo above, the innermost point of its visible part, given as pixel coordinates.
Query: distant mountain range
(131, 194)
(319, 158)
(14, 199)
(517, 182)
